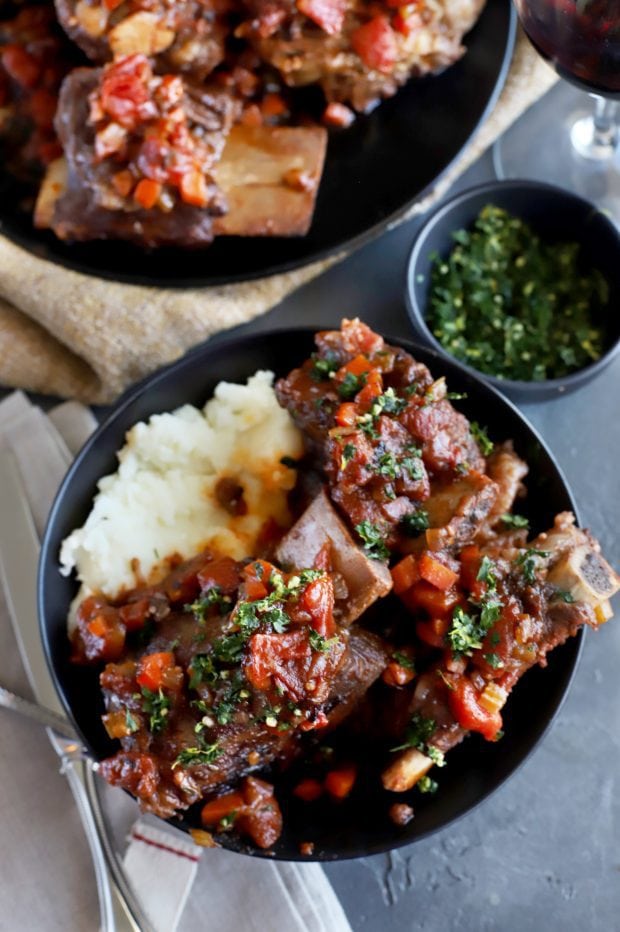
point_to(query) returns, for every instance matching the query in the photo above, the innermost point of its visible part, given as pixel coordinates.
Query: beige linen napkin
(48, 878)
(70, 335)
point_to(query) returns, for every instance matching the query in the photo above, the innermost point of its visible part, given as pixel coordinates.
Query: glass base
(539, 146)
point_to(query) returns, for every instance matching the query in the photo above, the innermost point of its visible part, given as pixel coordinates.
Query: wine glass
(567, 142)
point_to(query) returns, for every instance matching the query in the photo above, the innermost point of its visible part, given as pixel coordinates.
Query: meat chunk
(187, 36)
(320, 526)
(270, 176)
(507, 470)
(357, 52)
(456, 511)
(130, 173)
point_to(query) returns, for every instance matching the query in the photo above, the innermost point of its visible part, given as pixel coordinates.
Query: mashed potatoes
(162, 500)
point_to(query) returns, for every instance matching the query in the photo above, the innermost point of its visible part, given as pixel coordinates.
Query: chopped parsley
(528, 562)
(130, 722)
(403, 660)
(320, 643)
(323, 368)
(374, 543)
(157, 706)
(388, 403)
(515, 521)
(494, 660)
(465, 634)
(229, 648)
(213, 597)
(205, 754)
(201, 670)
(411, 525)
(347, 455)
(426, 785)
(486, 572)
(417, 735)
(481, 437)
(562, 595)
(352, 384)
(514, 305)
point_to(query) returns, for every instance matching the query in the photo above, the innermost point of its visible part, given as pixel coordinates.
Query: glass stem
(596, 137)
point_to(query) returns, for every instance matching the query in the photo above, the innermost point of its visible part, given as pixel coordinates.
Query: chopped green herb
(456, 396)
(201, 670)
(319, 642)
(374, 544)
(419, 730)
(206, 754)
(130, 722)
(479, 434)
(491, 609)
(564, 596)
(157, 706)
(435, 755)
(494, 660)
(528, 562)
(348, 454)
(514, 520)
(486, 572)
(323, 368)
(388, 403)
(387, 465)
(212, 598)
(417, 521)
(426, 785)
(352, 384)
(465, 633)
(403, 660)
(229, 648)
(516, 306)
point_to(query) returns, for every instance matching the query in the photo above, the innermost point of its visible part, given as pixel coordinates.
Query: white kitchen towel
(161, 863)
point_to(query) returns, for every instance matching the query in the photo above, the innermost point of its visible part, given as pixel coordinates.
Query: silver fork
(19, 554)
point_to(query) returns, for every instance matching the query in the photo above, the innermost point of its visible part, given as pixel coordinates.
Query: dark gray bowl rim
(418, 318)
(150, 382)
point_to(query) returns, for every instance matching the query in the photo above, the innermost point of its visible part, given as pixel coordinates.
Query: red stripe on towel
(157, 844)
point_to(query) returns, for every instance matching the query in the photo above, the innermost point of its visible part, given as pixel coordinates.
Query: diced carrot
(434, 572)
(308, 790)
(122, 182)
(98, 626)
(147, 193)
(405, 574)
(112, 635)
(217, 809)
(397, 675)
(339, 783)
(273, 105)
(371, 390)
(151, 669)
(346, 414)
(433, 631)
(470, 564)
(356, 366)
(437, 602)
(194, 189)
(112, 4)
(252, 116)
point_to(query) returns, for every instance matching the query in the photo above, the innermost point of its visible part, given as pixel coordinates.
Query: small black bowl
(360, 825)
(556, 215)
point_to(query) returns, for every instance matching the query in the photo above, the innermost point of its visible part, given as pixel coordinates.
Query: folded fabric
(66, 334)
(37, 816)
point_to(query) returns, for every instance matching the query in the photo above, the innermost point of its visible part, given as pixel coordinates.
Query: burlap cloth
(67, 334)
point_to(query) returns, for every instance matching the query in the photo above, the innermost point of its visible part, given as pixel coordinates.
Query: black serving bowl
(359, 825)
(556, 215)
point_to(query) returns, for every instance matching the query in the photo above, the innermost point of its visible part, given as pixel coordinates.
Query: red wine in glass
(580, 38)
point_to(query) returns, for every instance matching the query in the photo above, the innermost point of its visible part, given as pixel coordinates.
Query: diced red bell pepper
(375, 43)
(434, 572)
(328, 14)
(469, 713)
(152, 669)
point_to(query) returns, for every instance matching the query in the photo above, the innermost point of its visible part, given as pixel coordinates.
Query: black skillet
(374, 171)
